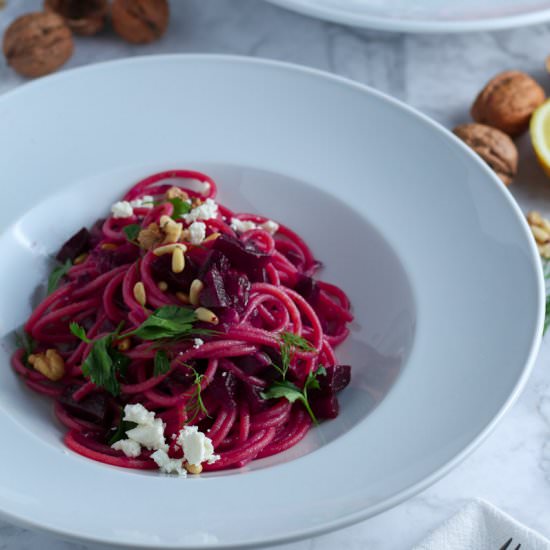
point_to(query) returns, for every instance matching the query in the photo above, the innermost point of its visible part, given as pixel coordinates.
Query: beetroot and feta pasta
(177, 334)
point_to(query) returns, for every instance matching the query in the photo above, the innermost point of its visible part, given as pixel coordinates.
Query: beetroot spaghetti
(177, 334)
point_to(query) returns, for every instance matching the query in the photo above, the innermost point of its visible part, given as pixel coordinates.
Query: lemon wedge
(539, 128)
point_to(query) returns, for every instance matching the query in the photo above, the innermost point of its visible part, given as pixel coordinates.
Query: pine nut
(212, 237)
(108, 246)
(165, 220)
(163, 285)
(178, 260)
(169, 249)
(534, 218)
(80, 259)
(173, 233)
(541, 236)
(195, 290)
(544, 250)
(139, 293)
(182, 297)
(193, 468)
(124, 344)
(206, 316)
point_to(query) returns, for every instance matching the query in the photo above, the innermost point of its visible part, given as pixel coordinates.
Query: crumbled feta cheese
(122, 209)
(205, 211)
(240, 226)
(198, 342)
(144, 202)
(270, 226)
(139, 414)
(168, 465)
(197, 447)
(151, 437)
(129, 447)
(197, 232)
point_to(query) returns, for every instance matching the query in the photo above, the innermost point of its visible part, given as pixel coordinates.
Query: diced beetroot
(75, 246)
(324, 406)
(243, 256)
(237, 287)
(335, 380)
(161, 269)
(223, 286)
(214, 293)
(92, 408)
(323, 400)
(253, 364)
(221, 391)
(252, 397)
(107, 260)
(308, 288)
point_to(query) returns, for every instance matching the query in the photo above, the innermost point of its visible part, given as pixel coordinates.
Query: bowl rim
(414, 488)
(421, 25)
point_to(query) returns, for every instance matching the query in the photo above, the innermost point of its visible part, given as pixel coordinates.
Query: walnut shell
(508, 101)
(84, 17)
(140, 21)
(493, 146)
(36, 44)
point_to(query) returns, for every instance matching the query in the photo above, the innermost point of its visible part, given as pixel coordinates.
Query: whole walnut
(493, 146)
(36, 44)
(140, 21)
(84, 17)
(508, 101)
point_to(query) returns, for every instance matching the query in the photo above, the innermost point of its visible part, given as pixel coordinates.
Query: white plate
(425, 15)
(436, 257)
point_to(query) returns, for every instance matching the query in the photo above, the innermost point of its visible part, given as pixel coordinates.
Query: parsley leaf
(291, 392)
(167, 322)
(57, 274)
(181, 207)
(120, 432)
(103, 362)
(79, 332)
(132, 231)
(162, 363)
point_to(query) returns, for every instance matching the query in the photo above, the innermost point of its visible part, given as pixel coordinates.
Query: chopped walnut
(150, 237)
(176, 193)
(50, 364)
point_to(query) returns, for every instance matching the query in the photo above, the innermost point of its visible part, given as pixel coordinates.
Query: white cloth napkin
(482, 526)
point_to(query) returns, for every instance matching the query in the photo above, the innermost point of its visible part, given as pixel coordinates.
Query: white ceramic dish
(435, 254)
(425, 15)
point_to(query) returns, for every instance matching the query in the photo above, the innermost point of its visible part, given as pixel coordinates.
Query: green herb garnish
(57, 274)
(169, 322)
(195, 405)
(292, 393)
(132, 231)
(120, 432)
(181, 207)
(103, 362)
(162, 363)
(289, 343)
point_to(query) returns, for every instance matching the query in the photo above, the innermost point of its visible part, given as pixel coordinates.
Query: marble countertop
(438, 75)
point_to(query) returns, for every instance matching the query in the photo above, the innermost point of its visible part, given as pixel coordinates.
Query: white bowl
(434, 253)
(438, 16)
